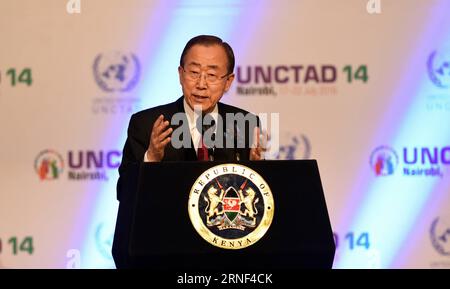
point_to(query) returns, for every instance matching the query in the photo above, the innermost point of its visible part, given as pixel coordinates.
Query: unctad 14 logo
(49, 165)
(81, 165)
(296, 79)
(413, 161)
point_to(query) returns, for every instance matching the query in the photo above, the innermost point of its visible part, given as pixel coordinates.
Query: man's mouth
(200, 97)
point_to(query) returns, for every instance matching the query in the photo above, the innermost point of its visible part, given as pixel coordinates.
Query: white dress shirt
(192, 120)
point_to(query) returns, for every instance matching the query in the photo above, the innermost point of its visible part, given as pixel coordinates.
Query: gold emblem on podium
(231, 206)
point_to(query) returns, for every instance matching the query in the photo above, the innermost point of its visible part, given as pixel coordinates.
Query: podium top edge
(233, 162)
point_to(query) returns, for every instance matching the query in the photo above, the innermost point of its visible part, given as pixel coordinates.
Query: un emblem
(231, 206)
(440, 236)
(439, 68)
(116, 71)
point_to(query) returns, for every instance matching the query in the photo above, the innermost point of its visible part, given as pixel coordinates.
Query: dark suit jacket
(139, 131)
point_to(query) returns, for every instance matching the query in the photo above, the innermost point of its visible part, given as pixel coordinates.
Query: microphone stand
(212, 150)
(237, 156)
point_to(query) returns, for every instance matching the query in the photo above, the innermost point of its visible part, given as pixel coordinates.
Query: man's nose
(201, 82)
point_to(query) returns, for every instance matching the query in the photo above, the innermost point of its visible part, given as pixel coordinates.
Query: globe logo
(116, 71)
(383, 161)
(440, 235)
(439, 68)
(293, 146)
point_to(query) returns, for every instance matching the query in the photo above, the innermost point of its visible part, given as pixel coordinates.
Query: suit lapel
(184, 154)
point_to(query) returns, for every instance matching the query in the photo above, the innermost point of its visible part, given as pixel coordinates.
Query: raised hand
(159, 138)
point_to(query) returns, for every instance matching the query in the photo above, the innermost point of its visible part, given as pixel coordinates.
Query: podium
(162, 235)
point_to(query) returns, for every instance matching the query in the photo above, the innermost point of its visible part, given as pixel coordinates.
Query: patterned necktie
(202, 151)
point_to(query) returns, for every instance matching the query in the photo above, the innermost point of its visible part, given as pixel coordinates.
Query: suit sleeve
(133, 152)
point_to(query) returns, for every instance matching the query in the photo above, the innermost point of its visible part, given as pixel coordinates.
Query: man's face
(204, 63)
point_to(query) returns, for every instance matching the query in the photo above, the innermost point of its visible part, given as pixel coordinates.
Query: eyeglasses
(210, 78)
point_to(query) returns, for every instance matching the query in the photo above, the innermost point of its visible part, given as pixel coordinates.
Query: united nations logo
(293, 146)
(231, 206)
(439, 68)
(116, 71)
(440, 236)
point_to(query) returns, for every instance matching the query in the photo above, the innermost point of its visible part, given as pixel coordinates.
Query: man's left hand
(259, 145)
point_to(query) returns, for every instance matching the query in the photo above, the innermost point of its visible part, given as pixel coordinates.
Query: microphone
(231, 138)
(203, 126)
(212, 150)
(237, 156)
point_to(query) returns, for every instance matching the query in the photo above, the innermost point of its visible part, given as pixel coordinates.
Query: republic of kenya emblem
(231, 206)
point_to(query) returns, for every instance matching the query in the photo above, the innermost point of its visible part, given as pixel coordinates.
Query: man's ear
(229, 82)
(180, 74)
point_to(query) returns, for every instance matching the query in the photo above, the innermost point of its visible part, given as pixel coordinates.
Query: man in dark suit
(176, 131)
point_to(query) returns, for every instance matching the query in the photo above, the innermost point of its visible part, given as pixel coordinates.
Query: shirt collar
(192, 118)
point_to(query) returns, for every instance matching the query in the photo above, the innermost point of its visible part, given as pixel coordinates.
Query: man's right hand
(158, 140)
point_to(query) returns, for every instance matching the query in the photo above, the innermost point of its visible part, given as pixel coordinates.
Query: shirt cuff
(145, 158)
